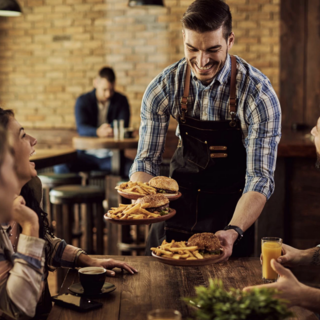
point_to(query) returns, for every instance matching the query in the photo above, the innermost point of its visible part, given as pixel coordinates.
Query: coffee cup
(92, 279)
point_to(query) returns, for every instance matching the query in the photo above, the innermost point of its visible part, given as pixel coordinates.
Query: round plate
(187, 263)
(131, 222)
(77, 289)
(131, 196)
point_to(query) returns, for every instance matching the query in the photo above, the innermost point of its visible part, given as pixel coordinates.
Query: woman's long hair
(31, 201)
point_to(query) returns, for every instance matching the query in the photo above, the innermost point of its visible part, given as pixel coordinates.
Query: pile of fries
(177, 250)
(137, 188)
(132, 211)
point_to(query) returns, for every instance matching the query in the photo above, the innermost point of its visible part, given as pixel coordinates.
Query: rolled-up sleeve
(263, 115)
(153, 128)
(21, 277)
(64, 255)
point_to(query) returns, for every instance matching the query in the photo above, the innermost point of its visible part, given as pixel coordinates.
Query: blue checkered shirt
(258, 111)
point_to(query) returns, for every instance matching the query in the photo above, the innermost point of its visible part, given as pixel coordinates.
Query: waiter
(229, 128)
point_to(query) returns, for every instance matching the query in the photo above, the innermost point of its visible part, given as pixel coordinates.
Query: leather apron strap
(233, 98)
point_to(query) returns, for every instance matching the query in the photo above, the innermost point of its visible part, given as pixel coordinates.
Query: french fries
(132, 211)
(137, 188)
(177, 250)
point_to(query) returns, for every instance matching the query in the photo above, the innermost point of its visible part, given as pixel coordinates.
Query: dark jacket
(86, 112)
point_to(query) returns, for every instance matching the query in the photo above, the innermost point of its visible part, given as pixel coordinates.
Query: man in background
(95, 112)
(289, 287)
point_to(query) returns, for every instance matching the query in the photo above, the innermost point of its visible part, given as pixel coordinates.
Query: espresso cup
(92, 279)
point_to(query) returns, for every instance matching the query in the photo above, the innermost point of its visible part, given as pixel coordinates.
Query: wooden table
(49, 157)
(162, 286)
(117, 147)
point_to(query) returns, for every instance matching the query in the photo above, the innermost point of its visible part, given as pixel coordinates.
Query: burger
(164, 185)
(156, 203)
(207, 243)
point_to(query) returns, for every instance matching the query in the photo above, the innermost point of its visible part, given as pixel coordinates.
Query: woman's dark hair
(208, 15)
(28, 194)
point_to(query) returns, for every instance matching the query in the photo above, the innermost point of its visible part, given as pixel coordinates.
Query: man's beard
(318, 161)
(219, 65)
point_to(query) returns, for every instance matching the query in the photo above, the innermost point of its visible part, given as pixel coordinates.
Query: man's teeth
(204, 68)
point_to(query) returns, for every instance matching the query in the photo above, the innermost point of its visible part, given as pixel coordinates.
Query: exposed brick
(53, 52)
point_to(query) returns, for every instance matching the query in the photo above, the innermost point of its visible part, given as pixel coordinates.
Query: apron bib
(209, 165)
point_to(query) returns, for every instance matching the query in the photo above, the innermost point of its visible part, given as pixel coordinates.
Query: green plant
(215, 303)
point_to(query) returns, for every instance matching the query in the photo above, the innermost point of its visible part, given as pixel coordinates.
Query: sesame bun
(154, 200)
(164, 183)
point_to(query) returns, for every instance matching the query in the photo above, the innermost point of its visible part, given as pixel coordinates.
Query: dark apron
(210, 168)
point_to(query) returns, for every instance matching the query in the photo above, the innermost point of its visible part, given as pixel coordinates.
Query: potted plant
(215, 303)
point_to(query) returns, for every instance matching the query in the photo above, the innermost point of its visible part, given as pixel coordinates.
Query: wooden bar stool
(52, 180)
(64, 199)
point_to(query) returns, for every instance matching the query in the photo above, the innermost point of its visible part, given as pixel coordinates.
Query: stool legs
(89, 226)
(99, 227)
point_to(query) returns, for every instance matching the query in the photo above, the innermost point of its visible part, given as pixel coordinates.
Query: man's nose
(203, 59)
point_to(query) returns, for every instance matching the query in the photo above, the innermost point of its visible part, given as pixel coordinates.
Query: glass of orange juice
(271, 249)
(164, 314)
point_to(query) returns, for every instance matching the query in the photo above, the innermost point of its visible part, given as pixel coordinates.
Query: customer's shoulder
(87, 96)
(119, 96)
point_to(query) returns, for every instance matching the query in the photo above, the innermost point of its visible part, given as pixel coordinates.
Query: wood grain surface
(162, 286)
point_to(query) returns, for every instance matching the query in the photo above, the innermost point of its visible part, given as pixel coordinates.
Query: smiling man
(229, 129)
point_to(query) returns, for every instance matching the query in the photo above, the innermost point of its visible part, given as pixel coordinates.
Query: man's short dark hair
(108, 74)
(208, 15)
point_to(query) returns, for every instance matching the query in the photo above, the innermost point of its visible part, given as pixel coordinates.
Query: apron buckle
(182, 118)
(233, 122)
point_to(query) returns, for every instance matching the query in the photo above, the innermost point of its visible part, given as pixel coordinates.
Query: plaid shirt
(258, 111)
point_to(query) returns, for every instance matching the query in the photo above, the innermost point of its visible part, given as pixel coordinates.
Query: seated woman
(56, 252)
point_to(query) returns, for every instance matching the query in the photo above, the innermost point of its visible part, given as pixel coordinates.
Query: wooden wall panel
(313, 62)
(292, 60)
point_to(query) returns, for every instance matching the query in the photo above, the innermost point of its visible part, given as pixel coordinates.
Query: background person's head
(208, 36)
(8, 179)
(105, 84)
(22, 144)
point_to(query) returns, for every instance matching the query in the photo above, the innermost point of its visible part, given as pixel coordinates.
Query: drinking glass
(271, 249)
(164, 314)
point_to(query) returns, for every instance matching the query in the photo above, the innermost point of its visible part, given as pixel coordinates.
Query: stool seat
(76, 194)
(52, 179)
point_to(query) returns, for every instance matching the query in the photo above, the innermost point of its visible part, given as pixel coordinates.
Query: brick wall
(51, 54)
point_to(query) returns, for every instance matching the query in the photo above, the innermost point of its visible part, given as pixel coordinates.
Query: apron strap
(184, 99)
(233, 100)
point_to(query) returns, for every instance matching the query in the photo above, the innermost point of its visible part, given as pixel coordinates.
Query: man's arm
(83, 118)
(263, 114)
(155, 118)
(290, 289)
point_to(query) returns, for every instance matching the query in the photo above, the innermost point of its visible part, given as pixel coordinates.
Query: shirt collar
(223, 74)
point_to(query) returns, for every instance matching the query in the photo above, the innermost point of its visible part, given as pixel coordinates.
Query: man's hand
(25, 217)
(227, 239)
(288, 286)
(291, 256)
(105, 131)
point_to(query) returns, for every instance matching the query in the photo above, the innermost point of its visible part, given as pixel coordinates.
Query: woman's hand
(25, 217)
(111, 263)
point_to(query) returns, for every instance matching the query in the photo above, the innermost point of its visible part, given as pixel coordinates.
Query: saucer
(77, 289)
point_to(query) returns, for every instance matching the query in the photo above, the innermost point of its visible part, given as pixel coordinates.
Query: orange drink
(271, 249)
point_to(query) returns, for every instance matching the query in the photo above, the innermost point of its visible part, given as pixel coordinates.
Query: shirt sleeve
(263, 114)
(83, 126)
(21, 277)
(155, 118)
(64, 255)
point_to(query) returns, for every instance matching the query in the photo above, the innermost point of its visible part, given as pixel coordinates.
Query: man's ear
(231, 40)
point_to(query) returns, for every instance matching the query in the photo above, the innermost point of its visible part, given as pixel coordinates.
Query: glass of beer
(164, 314)
(271, 249)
